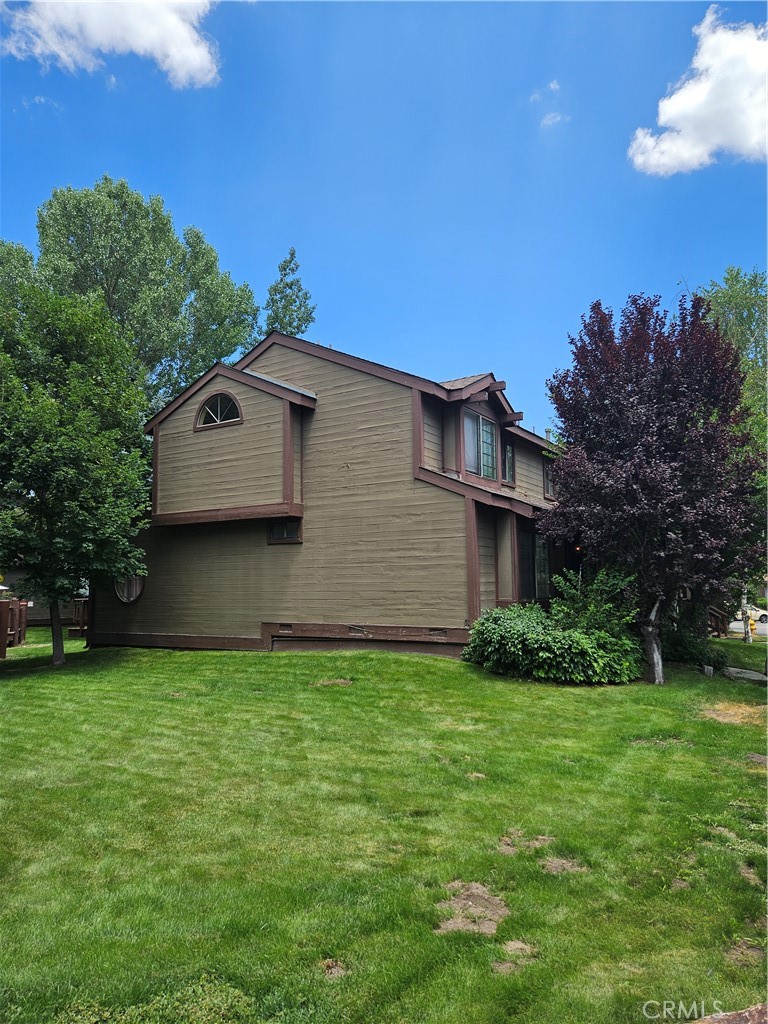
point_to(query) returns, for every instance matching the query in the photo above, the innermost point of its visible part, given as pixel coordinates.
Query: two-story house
(308, 497)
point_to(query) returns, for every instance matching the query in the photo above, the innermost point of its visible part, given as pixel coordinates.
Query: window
(479, 445)
(549, 480)
(508, 462)
(218, 410)
(542, 568)
(533, 562)
(284, 531)
(130, 589)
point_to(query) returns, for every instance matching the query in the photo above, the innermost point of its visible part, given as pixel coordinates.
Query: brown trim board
(473, 562)
(410, 380)
(287, 453)
(180, 640)
(343, 359)
(155, 465)
(418, 430)
(447, 640)
(496, 498)
(277, 510)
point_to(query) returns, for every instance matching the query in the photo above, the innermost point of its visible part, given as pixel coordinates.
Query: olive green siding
(433, 434)
(379, 547)
(221, 467)
(486, 546)
(529, 474)
(389, 548)
(296, 430)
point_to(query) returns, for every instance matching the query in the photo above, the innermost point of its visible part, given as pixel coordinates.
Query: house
(305, 497)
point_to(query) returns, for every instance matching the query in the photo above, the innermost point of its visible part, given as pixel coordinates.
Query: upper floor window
(218, 410)
(549, 479)
(480, 445)
(508, 462)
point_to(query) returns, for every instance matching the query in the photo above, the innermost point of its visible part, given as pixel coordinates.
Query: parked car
(758, 614)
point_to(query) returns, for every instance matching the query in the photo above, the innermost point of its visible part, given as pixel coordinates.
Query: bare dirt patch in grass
(473, 909)
(752, 1015)
(733, 714)
(518, 954)
(515, 842)
(476, 775)
(748, 872)
(332, 682)
(333, 969)
(758, 759)
(718, 830)
(660, 741)
(679, 883)
(561, 866)
(745, 954)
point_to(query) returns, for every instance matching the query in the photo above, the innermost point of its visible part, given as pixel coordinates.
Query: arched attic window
(219, 410)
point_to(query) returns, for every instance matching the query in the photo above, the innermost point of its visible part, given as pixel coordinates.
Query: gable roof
(462, 382)
(269, 385)
(461, 388)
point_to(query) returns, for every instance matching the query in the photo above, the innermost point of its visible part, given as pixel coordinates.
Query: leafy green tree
(288, 307)
(17, 270)
(73, 478)
(180, 311)
(738, 305)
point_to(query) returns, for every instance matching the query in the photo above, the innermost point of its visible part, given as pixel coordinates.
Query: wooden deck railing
(717, 622)
(13, 624)
(80, 615)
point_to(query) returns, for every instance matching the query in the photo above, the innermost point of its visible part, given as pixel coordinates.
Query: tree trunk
(745, 617)
(652, 640)
(57, 635)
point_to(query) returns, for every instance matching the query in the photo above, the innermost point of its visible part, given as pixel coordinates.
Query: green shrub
(684, 638)
(524, 641)
(691, 648)
(602, 601)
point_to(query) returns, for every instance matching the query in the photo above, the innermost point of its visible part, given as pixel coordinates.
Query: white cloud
(718, 107)
(535, 97)
(41, 101)
(554, 85)
(75, 33)
(554, 118)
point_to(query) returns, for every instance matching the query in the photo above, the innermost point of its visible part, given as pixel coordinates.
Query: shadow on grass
(22, 661)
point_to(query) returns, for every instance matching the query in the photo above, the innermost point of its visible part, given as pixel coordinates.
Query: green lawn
(741, 655)
(173, 815)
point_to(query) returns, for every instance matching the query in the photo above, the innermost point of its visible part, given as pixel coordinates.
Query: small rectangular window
(549, 479)
(508, 467)
(488, 435)
(284, 531)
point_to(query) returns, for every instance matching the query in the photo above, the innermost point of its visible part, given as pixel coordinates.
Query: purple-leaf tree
(655, 477)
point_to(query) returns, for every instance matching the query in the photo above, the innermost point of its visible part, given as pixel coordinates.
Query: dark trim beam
(277, 510)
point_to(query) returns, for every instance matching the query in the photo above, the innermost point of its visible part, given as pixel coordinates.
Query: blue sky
(455, 177)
